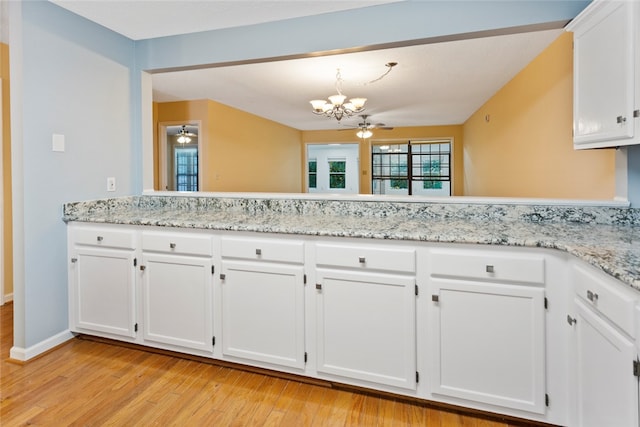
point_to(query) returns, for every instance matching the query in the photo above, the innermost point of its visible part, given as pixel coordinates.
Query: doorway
(333, 168)
(179, 154)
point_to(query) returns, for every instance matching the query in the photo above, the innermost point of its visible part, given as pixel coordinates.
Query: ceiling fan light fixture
(183, 137)
(364, 134)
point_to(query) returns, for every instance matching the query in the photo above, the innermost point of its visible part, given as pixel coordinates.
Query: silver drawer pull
(223, 276)
(592, 296)
(362, 260)
(172, 245)
(74, 260)
(258, 251)
(489, 269)
(621, 119)
(99, 238)
(571, 320)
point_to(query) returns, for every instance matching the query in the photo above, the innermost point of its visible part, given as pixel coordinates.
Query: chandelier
(336, 107)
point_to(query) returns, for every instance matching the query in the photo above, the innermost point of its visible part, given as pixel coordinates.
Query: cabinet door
(177, 300)
(366, 327)
(102, 292)
(263, 312)
(604, 74)
(607, 390)
(488, 343)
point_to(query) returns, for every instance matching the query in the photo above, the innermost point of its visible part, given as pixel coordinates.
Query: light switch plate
(111, 183)
(57, 142)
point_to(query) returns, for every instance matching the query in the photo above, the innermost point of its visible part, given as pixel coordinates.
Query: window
(186, 161)
(431, 165)
(337, 173)
(417, 167)
(313, 173)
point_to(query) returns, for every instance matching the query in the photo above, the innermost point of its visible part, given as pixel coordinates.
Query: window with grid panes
(337, 173)
(186, 163)
(313, 173)
(415, 167)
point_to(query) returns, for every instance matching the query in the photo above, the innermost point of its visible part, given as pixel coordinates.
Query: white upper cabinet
(606, 75)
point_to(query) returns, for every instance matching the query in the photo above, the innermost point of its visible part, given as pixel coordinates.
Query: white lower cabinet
(365, 313)
(459, 324)
(263, 313)
(487, 334)
(102, 282)
(177, 296)
(604, 357)
(489, 344)
(262, 301)
(365, 326)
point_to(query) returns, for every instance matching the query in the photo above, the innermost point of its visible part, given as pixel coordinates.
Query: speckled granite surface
(606, 237)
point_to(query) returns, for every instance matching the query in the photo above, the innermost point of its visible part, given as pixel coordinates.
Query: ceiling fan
(365, 127)
(184, 135)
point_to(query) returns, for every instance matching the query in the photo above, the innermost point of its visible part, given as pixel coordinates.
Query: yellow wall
(525, 149)
(6, 171)
(241, 152)
(397, 134)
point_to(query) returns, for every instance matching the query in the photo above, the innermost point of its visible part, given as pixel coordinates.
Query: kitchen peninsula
(491, 306)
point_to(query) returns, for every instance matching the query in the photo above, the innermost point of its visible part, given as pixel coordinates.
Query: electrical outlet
(111, 183)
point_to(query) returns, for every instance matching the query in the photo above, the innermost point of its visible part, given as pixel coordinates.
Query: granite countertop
(607, 238)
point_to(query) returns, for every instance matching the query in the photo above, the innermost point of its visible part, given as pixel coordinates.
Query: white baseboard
(24, 354)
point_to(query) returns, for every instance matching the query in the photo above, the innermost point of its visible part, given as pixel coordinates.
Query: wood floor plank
(91, 383)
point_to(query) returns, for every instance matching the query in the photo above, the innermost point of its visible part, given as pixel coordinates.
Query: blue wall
(78, 79)
(82, 80)
(633, 171)
(376, 25)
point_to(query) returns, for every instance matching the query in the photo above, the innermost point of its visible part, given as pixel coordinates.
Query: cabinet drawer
(263, 249)
(489, 266)
(367, 257)
(613, 303)
(187, 244)
(104, 237)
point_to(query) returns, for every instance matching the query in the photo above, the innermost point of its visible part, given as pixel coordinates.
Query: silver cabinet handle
(571, 320)
(621, 119)
(258, 251)
(490, 269)
(172, 245)
(143, 268)
(99, 238)
(362, 260)
(74, 260)
(592, 296)
(223, 276)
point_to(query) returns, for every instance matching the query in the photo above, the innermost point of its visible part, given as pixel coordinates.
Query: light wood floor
(88, 383)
